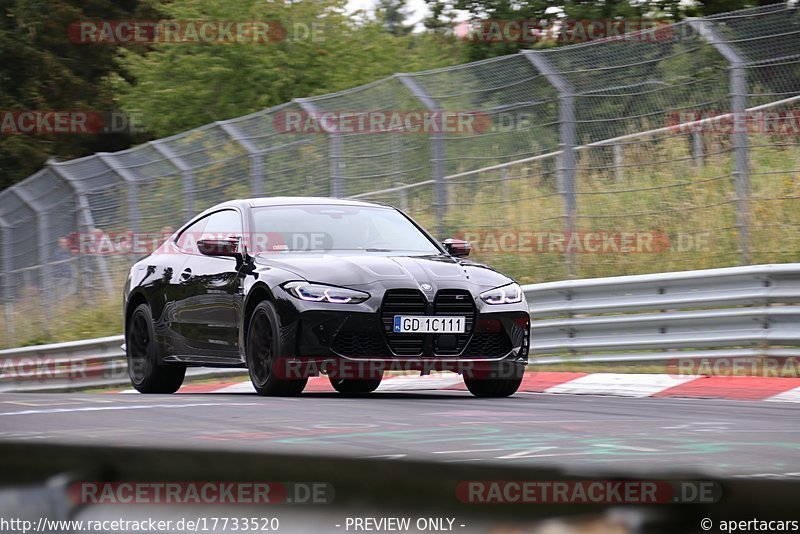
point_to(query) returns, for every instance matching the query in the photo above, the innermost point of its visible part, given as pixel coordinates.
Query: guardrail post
(335, 149)
(256, 156)
(740, 141)
(85, 217)
(568, 141)
(186, 173)
(130, 182)
(437, 152)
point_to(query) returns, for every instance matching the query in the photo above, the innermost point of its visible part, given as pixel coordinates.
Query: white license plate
(420, 324)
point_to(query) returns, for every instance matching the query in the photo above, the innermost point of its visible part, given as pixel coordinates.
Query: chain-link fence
(676, 148)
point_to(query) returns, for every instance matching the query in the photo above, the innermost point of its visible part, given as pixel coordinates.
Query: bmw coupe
(297, 287)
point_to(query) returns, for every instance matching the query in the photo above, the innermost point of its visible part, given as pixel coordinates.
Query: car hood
(397, 271)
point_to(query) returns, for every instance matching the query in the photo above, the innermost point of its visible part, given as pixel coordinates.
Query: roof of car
(287, 201)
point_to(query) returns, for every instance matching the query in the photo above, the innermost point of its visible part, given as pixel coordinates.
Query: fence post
(697, 149)
(256, 156)
(85, 216)
(43, 254)
(741, 149)
(568, 136)
(130, 182)
(437, 152)
(8, 294)
(619, 173)
(403, 196)
(334, 147)
(186, 172)
(505, 174)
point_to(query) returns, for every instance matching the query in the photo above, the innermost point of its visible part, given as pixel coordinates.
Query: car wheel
(262, 350)
(494, 386)
(351, 386)
(146, 373)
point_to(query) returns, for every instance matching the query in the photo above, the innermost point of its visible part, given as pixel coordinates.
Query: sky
(416, 8)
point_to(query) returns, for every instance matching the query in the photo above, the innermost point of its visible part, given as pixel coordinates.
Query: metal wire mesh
(603, 158)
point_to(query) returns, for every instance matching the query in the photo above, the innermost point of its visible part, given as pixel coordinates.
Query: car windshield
(325, 228)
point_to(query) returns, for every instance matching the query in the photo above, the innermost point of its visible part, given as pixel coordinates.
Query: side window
(217, 225)
(187, 241)
(223, 224)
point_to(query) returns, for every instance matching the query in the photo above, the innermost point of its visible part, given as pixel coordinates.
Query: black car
(294, 287)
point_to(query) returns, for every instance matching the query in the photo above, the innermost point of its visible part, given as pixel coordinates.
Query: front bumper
(362, 334)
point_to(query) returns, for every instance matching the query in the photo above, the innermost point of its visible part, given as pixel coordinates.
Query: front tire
(494, 386)
(146, 373)
(262, 349)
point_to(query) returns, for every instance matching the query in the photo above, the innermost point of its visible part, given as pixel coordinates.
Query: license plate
(420, 324)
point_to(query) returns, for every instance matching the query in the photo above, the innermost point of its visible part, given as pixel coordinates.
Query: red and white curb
(612, 384)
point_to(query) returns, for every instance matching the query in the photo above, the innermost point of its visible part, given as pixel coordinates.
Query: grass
(661, 191)
(68, 319)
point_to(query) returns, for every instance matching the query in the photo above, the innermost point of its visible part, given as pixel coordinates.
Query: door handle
(186, 274)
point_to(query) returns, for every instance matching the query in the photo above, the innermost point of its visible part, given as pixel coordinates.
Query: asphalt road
(718, 437)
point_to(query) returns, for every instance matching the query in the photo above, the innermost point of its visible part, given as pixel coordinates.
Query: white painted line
(793, 395)
(624, 447)
(620, 384)
(590, 453)
(126, 407)
(527, 453)
(469, 450)
(240, 387)
(416, 383)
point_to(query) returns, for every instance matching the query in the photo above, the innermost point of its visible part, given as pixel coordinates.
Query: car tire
(147, 374)
(494, 386)
(262, 346)
(350, 386)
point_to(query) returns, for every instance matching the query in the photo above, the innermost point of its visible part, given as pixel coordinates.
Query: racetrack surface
(585, 433)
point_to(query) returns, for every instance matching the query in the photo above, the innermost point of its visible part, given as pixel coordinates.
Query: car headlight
(322, 293)
(509, 294)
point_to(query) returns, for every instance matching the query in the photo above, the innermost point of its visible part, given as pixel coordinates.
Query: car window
(187, 240)
(218, 225)
(317, 228)
(224, 224)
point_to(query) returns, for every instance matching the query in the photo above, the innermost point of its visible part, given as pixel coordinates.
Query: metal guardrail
(84, 364)
(737, 312)
(731, 312)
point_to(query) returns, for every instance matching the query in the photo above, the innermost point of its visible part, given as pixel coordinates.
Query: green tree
(394, 14)
(43, 70)
(176, 87)
(501, 10)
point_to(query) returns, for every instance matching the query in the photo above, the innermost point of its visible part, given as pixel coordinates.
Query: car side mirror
(227, 247)
(457, 247)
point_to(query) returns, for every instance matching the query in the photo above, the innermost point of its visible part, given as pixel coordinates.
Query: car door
(208, 307)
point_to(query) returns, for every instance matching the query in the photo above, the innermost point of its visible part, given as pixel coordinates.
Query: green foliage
(181, 86)
(43, 70)
(393, 14)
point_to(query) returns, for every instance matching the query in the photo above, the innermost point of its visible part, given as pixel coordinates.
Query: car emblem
(426, 287)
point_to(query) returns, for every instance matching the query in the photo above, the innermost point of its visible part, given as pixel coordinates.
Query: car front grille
(403, 302)
(459, 303)
(413, 302)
